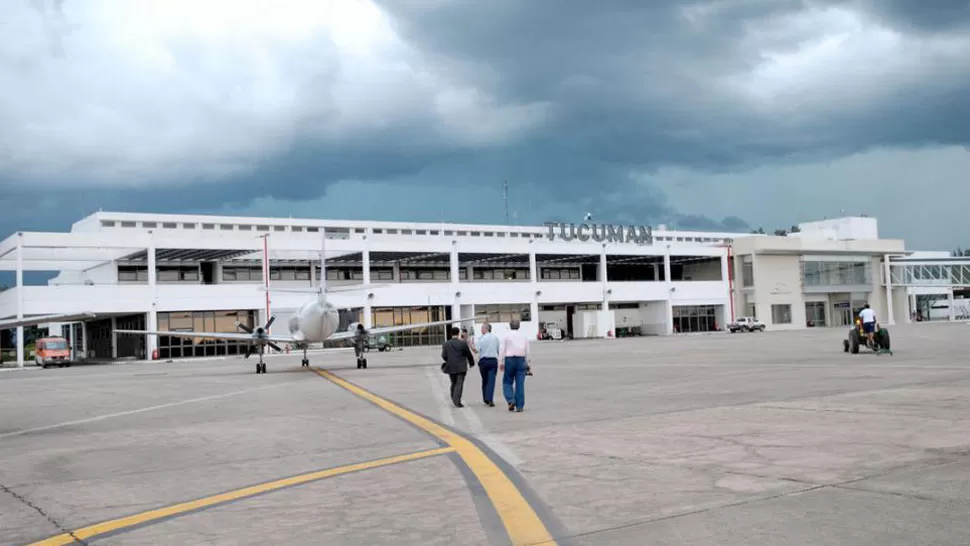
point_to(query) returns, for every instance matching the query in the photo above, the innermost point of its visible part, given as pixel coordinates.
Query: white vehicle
(746, 324)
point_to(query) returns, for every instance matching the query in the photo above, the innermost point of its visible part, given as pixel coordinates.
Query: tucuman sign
(601, 233)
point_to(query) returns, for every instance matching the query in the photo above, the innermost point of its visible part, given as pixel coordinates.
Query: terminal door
(843, 314)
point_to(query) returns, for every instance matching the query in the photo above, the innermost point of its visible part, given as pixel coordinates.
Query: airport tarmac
(771, 438)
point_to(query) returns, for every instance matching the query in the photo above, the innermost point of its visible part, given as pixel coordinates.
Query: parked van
(52, 351)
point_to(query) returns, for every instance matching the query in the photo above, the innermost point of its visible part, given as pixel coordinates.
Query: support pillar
(604, 279)
(455, 284)
(151, 342)
(670, 292)
(949, 298)
(84, 341)
(890, 315)
(20, 299)
(365, 262)
(534, 289)
(114, 338)
(727, 314)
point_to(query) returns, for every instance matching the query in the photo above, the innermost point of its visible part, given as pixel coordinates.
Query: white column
(455, 284)
(151, 342)
(890, 315)
(754, 290)
(20, 299)
(84, 340)
(365, 261)
(604, 279)
(912, 305)
(114, 338)
(949, 298)
(726, 280)
(534, 285)
(670, 287)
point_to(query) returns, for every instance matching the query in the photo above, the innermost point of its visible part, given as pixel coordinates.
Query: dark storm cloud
(920, 15)
(632, 87)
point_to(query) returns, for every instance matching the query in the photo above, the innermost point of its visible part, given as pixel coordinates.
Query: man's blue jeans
(515, 368)
(488, 367)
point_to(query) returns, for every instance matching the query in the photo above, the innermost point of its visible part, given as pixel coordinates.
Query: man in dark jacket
(457, 358)
(360, 340)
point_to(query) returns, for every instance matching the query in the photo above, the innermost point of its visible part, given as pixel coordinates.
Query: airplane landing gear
(261, 366)
(361, 363)
(306, 361)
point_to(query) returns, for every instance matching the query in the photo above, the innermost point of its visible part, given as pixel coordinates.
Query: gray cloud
(583, 106)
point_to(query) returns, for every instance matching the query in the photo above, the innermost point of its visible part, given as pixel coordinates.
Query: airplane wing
(390, 329)
(228, 336)
(44, 319)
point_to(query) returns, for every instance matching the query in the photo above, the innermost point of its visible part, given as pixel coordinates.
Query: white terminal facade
(199, 272)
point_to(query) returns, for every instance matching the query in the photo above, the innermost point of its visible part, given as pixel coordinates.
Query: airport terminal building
(199, 272)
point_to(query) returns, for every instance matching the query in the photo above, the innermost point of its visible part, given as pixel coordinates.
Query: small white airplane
(316, 321)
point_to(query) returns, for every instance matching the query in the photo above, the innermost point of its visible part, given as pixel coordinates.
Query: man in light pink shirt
(514, 358)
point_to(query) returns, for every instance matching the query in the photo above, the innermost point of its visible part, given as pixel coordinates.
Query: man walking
(514, 354)
(488, 348)
(457, 359)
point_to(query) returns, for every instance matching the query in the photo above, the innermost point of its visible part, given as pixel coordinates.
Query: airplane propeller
(260, 331)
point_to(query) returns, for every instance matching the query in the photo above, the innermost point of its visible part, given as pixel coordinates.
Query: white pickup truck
(746, 324)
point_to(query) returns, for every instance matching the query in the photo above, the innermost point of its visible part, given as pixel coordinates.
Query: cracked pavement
(774, 438)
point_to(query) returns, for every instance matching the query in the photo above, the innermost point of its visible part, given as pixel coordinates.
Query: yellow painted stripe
(521, 522)
(146, 517)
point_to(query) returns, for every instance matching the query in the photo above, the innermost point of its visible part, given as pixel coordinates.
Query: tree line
(778, 232)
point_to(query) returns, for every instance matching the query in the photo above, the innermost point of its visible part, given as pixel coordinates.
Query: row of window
(344, 233)
(821, 273)
(815, 273)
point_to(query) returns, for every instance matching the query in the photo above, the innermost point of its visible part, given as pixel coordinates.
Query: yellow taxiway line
(153, 515)
(521, 522)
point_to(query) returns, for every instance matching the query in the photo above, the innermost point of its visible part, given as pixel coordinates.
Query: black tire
(845, 345)
(882, 338)
(761, 328)
(854, 341)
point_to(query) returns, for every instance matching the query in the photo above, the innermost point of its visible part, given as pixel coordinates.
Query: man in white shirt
(868, 317)
(488, 350)
(515, 360)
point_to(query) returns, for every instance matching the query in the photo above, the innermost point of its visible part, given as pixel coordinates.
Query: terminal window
(781, 313)
(504, 312)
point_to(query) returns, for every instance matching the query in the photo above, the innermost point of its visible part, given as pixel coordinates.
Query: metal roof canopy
(680, 260)
(390, 258)
(184, 255)
(543, 259)
(635, 260)
(475, 258)
(64, 259)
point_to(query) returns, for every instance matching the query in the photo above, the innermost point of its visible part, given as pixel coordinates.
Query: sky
(712, 115)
